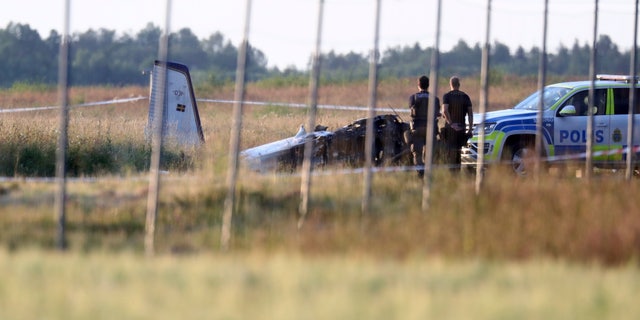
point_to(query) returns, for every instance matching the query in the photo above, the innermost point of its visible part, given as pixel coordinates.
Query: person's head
(423, 83)
(454, 82)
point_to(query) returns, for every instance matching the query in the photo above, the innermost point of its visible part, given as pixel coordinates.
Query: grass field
(37, 285)
(561, 248)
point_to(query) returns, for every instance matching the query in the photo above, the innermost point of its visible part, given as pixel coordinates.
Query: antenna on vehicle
(394, 111)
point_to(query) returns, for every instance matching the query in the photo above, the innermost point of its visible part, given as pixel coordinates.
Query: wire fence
(312, 105)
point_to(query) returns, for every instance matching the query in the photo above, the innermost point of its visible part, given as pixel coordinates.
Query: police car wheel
(520, 159)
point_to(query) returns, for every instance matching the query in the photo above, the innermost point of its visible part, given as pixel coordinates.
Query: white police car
(510, 134)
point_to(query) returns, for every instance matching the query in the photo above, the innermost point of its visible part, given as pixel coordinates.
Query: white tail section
(181, 120)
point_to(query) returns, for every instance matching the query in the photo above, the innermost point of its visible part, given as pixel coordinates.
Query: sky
(286, 30)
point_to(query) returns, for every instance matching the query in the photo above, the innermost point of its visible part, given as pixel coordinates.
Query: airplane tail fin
(180, 117)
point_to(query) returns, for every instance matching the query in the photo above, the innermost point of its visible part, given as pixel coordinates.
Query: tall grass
(105, 140)
(513, 219)
(561, 217)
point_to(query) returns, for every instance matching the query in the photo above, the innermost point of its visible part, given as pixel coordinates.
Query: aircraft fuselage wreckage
(342, 147)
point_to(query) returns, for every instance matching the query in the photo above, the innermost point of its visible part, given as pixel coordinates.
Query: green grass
(99, 142)
(31, 87)
(282, 286)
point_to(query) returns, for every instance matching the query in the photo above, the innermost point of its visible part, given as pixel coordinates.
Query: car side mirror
(568, 110)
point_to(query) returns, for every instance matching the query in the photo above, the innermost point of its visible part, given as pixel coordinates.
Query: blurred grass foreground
(37, 285)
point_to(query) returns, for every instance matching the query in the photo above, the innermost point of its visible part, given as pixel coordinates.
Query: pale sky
(285, 30)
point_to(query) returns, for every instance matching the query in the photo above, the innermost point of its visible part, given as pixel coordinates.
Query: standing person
(419, 106)
(455, 105)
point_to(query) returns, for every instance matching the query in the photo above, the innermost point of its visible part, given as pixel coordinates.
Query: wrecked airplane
(342, 147)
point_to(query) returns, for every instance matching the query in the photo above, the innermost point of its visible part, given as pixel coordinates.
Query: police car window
(580, 101)
(621, 101)
(551, 96)
(600, 102)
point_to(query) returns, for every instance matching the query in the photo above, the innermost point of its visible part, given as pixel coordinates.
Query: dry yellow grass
(562, 217)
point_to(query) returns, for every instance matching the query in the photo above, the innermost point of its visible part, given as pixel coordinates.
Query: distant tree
(407, 61)
(609, 59)
(519, 64)
(256, 63)
(500, 54)
(102, 57)
(348, 67)
(559, 63)
(25, 57)
(144, 47)
(461, 59)
(532, 62)
(222, 57)
(185, 47)
(579, 62)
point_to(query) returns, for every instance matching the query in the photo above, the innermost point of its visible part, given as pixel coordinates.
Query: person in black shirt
(455, 133)
(419, 105)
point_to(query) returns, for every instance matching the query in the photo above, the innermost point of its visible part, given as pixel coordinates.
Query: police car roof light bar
(615, 77)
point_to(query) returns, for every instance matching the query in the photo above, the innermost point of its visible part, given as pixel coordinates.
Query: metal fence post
(431, 123)
(156, 138)
(484, 97)
(305, 183)
(631, 154)
(61, 151)
(371, 113)
(542, 78)
(234, 140)
(592, 91)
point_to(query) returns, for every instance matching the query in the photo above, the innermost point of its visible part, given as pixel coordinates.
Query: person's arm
(412, 100)
(470, 119)
(445, 110)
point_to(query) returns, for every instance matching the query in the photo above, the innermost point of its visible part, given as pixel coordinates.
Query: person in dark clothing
(455, 106)
(419, 106)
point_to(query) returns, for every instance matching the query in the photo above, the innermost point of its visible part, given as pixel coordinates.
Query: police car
(510, 134)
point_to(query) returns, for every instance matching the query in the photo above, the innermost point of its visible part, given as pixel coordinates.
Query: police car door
(570, 127)
(619, 110)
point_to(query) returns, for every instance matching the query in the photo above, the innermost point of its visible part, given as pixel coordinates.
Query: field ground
(41, 285)
(561, 248)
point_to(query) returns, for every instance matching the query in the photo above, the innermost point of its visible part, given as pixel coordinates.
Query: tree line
(99, 57)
